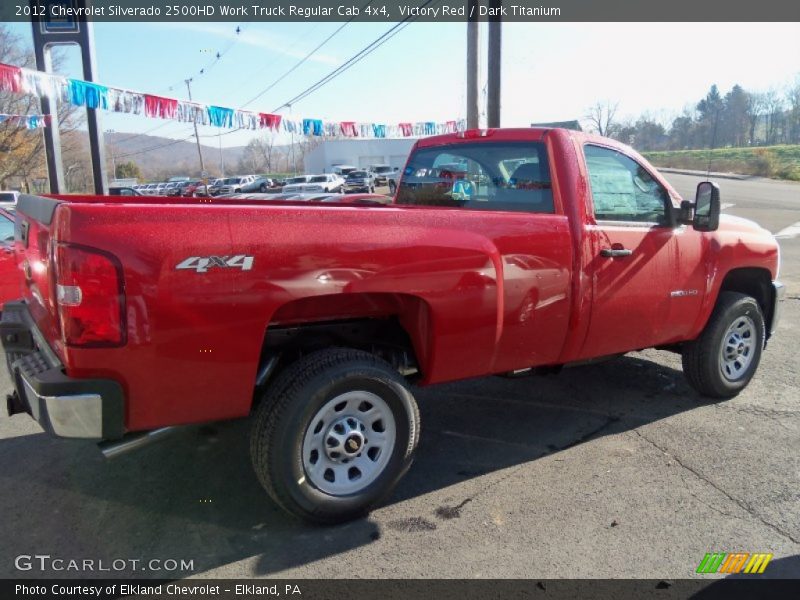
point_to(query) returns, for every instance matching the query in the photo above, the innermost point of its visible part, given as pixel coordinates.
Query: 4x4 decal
(201, 264)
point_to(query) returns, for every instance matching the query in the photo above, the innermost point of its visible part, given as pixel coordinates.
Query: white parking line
(789, 232)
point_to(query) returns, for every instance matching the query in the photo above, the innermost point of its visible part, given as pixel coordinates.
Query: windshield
(483, 176)
(319, 179)
(6, 229)
(357, 175)
(7, 197)
(382, 169)
(296, 180)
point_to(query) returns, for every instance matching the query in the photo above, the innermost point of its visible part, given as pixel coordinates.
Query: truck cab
(504, 251)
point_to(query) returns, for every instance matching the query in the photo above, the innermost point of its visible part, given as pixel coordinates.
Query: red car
(9, 273)
(551, 247)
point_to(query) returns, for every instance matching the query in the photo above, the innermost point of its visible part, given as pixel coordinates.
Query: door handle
(615, 252)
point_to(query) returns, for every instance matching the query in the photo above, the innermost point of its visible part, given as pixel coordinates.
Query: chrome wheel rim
(738, 348)
(348, 443)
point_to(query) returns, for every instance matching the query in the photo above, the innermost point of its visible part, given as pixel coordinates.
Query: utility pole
(473, 66)
(221, 158)
(493, 79)
(196, 136)
(294, 164)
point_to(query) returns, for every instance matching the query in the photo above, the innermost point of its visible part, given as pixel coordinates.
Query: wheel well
(383, 337)
(755, 282)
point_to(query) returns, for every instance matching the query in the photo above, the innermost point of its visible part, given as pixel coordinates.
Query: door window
(623, 190)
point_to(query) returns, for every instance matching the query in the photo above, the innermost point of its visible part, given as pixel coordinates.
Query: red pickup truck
(551, 248)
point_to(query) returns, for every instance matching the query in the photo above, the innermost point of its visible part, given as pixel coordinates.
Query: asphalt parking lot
(613, 470)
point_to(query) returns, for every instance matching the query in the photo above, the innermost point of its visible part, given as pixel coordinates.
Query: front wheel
(392, 187)
(334, 435)
(722, 361)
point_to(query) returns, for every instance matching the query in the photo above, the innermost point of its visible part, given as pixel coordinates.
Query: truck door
(634, 262)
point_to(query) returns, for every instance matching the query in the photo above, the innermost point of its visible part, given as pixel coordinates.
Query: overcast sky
(551, 71)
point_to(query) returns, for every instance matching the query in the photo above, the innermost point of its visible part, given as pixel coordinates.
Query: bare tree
(793, 116)
(773, 112)
(21, 150)
(601, 117)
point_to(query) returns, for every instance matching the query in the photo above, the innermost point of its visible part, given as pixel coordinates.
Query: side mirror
(706, 207)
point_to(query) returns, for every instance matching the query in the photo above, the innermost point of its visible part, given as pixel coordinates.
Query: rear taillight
(89, 297)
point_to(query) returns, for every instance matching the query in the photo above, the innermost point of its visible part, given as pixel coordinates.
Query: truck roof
(518, 134)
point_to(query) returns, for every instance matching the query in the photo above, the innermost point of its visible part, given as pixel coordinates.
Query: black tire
(372, 190)
(702, 364)
(290, 406)
(392, 187)
(262, 188)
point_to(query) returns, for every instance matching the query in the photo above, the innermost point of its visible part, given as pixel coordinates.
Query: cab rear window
(507, 176)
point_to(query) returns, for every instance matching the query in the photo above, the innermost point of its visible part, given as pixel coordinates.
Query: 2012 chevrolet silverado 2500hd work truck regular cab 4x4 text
(503, 250)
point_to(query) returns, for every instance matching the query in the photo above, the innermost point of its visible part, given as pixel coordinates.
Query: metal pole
(52, 136)
(196, 136)
(494, 61)
(473, 67)
(93, 119)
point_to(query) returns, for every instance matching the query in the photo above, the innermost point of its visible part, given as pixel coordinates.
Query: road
(613, 470)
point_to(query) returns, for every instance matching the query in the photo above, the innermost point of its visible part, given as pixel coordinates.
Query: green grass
(779, 162)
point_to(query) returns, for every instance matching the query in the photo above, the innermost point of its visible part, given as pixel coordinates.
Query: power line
(303, 60)
(219, 55)
(363, 53)
(356, 58)
(352, 61)
(142, 151)
(214, 61)
(152, 129)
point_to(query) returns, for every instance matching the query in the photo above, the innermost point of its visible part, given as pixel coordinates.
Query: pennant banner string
(76, 92)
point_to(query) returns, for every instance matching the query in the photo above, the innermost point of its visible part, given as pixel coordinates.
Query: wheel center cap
(344, 439)
(353, 444)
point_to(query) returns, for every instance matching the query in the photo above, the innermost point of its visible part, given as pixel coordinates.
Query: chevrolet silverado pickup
(546, 248)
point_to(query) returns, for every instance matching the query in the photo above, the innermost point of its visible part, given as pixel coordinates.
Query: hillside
(160, 158)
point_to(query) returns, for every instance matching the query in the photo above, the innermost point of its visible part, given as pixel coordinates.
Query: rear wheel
(722, 361)
(335, 433)
(262, 188)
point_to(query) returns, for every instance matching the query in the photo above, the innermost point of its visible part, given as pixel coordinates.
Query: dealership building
(358, 153)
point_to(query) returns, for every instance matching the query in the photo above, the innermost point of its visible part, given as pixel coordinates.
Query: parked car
(150, 189)
(189, 188)
(343, 170)
(318, 319)
(392, 180)
(9, 197)
(161, 189)
(295, 184)
(10, 279)
(173, 188)
(359, 181)
(317, 197)
(236, 185)
(211, 190)
(123, 191)
(381, 173)
(328, 182)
